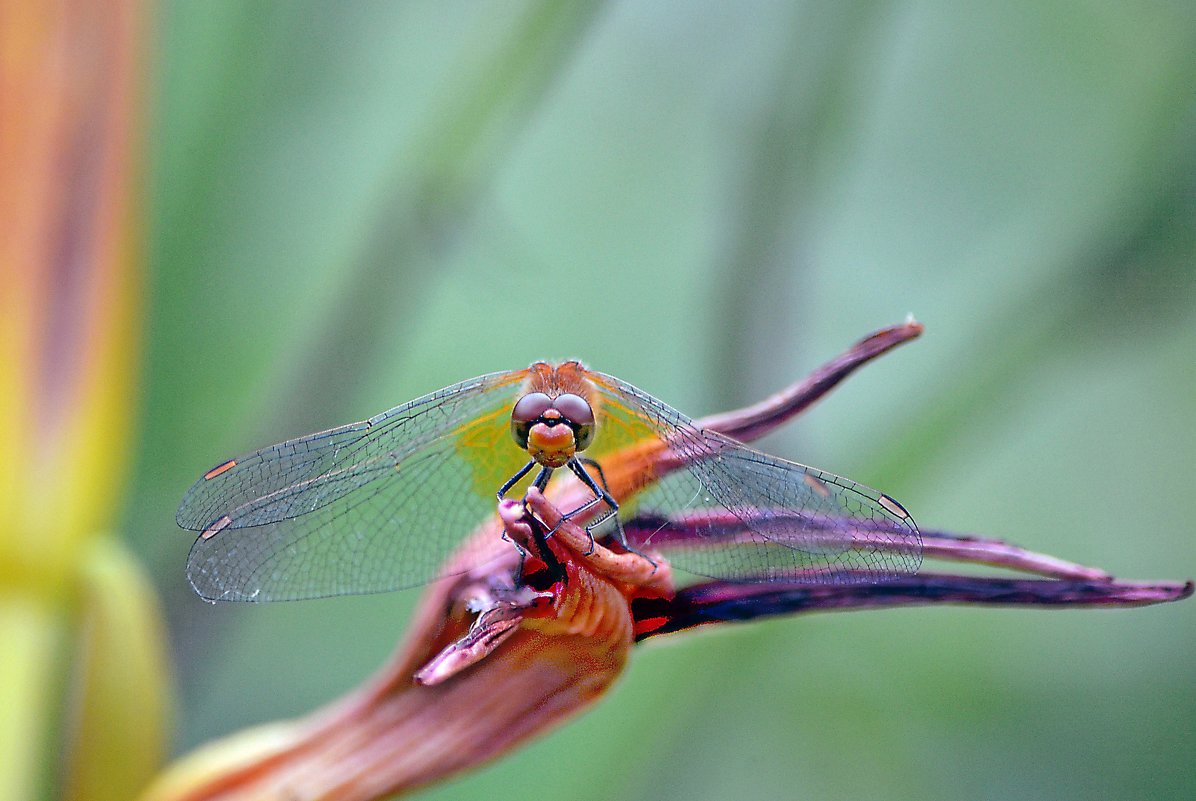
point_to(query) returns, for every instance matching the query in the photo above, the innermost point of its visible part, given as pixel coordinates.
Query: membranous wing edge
(303, 474)
(737, 513)
(369, 507)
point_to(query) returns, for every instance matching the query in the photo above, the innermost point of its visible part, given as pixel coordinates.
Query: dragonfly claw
(628, 566)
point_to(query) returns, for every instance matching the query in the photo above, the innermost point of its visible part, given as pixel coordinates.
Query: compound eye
(529, 407)
(527, 410)
(575, 409)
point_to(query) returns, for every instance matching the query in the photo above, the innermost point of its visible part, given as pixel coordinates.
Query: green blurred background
(352, 205)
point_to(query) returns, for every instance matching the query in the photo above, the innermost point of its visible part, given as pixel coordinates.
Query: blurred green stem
(32, 638)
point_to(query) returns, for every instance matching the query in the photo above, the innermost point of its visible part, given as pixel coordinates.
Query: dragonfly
(381, 504)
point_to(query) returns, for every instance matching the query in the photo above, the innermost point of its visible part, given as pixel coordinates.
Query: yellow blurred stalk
(82, 682)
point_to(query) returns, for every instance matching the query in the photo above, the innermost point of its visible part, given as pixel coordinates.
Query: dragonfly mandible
(379, 505)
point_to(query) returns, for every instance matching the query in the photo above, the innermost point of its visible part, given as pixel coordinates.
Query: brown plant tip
(753, 422)
(723, 602)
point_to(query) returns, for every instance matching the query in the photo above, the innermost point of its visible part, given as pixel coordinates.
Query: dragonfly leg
(621, 536)
(601, 495)
(597, 467)
(513, 480)
(539, 548)
(542, 539)
(522, 554)
(579, 510)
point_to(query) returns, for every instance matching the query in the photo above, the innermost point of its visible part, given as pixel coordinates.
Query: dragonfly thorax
(552, 430)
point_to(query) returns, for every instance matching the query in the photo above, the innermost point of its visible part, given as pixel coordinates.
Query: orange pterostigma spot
(893, 506)
(220, 468)
(216, 527)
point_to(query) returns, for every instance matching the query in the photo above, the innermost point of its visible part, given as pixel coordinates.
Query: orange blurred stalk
(72, 602)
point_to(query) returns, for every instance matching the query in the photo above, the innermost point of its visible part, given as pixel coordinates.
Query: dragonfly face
(554, 422)
(552, 430)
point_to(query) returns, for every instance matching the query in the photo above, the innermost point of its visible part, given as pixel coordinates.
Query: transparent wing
(735, 513)
(368, 507)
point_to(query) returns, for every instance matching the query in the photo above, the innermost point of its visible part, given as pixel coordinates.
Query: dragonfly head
(551, 429)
